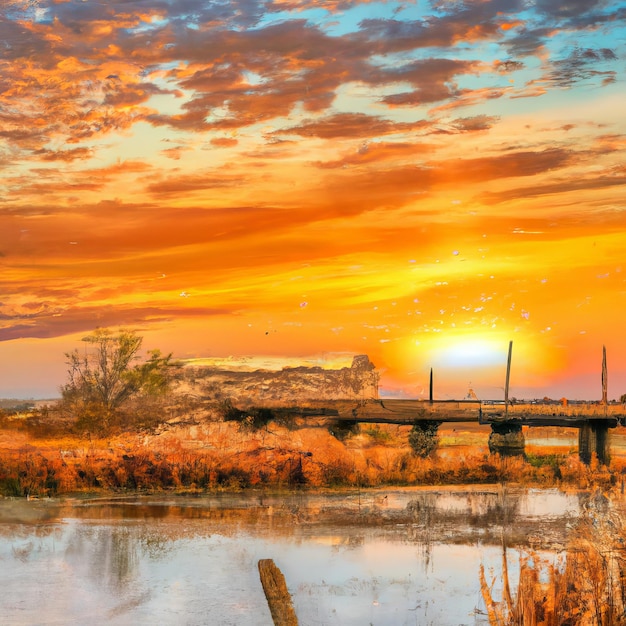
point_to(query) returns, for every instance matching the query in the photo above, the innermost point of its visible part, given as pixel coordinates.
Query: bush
(423, 437)
(252, 419)
(343, 429)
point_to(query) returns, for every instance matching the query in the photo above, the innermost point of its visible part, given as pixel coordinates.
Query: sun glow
(474, 360)
(471, 352)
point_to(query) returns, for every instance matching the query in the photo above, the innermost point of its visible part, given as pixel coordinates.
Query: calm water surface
(388, 557)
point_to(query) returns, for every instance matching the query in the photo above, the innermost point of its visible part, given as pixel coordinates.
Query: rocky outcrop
(286, 387)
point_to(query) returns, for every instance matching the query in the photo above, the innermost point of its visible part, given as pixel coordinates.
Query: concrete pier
(506, 439)
(593, 437)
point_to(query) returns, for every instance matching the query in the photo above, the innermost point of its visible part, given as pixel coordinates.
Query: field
(211, 453)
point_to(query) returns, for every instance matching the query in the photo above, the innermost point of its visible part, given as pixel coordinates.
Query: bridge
(593, 419)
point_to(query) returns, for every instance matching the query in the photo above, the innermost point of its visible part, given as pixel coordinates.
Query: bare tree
(109, 373)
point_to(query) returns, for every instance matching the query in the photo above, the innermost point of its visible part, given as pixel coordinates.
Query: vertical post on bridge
(508, 376)
(430, 393)
(605, 400)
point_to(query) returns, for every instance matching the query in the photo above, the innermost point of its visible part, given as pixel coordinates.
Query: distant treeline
(16, 405)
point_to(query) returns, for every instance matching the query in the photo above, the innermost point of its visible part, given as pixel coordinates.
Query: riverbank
(220, 455)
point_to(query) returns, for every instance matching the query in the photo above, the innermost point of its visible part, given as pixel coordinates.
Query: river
(381, 557)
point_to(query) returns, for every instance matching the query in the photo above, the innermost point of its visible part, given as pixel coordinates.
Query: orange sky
(420, 182)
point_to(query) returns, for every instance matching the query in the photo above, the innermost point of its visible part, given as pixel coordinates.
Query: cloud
(528, 41)
(434, 79)
(64, 155)
(187, 183)
(174, 153)
(402, 184)
(515, 164)
(56, 181)
(473, 124)
(224, 142)
(378, 152)
(505, 67)
(350, 125)
(606, 181)
(569, 9)
(81, 319)
(460, 22)
(581, 64)
(471, 98)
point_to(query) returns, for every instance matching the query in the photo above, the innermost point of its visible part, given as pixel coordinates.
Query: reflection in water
(394, 557)
(112, 554)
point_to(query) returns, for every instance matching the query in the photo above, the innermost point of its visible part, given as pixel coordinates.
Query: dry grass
(210, 454)
(585, 587)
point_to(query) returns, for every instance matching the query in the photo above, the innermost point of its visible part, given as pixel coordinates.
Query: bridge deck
(400, 411)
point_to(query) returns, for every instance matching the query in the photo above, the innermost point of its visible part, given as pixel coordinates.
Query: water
(394, 557)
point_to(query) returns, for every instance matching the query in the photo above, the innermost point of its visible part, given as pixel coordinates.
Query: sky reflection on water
(387, 557)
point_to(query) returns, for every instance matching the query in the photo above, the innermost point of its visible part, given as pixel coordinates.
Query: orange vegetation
(586, 586)
(215, 454)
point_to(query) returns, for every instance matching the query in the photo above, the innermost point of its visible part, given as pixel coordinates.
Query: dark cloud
(63, 155)
(569, 8)
(434, 79)
(475, 123)
(527, 41)
(132, 94)
(82, 319)
(568, 185)
(458, 22)
(523, 163)
(582, 64)
(505, 67)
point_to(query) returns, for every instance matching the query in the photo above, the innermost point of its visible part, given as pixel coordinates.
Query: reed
(585, 587)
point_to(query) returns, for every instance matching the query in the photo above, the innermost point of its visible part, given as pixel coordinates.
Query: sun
(469, 352)
(471, 360)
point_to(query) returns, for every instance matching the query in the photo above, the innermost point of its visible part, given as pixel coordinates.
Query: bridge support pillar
(593, 437)
(506, 439)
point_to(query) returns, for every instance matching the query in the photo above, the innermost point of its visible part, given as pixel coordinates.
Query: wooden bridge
(593, 419)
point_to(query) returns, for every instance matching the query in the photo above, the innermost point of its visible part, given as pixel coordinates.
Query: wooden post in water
(277, 595)
(430, 394)
(508, 376)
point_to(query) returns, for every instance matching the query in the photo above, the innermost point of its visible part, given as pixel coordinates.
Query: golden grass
(222, 455)
(585, 587)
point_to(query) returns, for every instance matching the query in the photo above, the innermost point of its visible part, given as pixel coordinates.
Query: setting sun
(469, 354)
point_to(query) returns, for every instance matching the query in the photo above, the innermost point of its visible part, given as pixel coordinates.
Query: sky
(306, 180)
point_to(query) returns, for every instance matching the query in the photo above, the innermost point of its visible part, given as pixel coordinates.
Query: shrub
(343, 429)
(423, 437)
